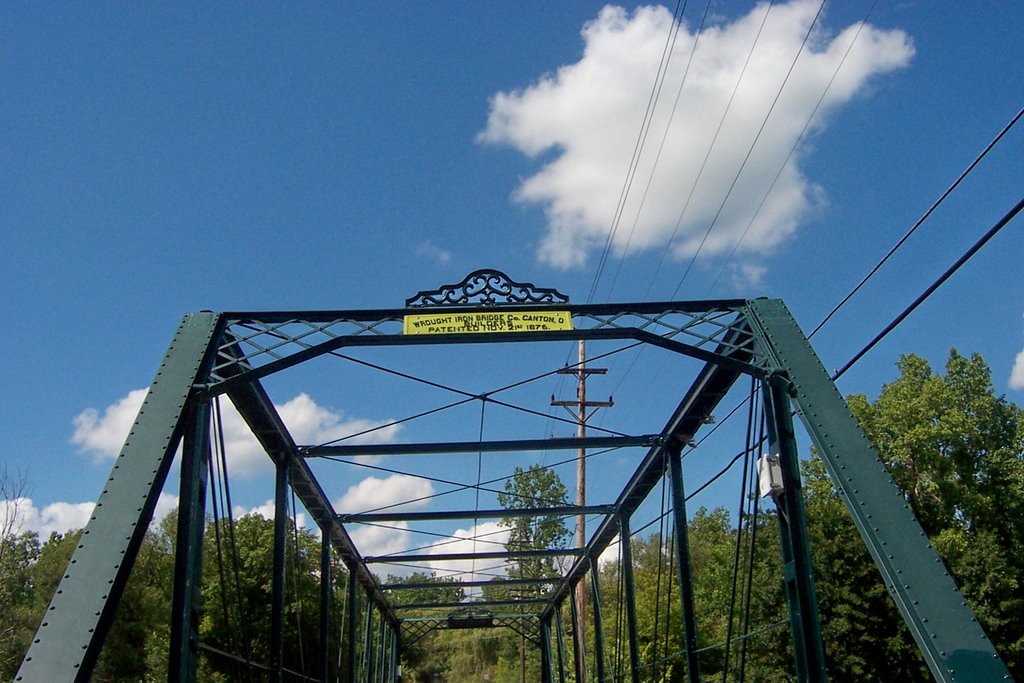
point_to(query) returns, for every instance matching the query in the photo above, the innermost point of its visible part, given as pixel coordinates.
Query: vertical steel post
(576, 641)
(368, 643)
(353, 624)
(561, 646)
(595, 590)
(188, 560)
(392, 645)
(395, 659)
(545, 651)
(630, 594)
(796, 552)
(278, 567)
(682, 543)
(394, 654)
(326, 581)
(382, 648)
(387, 674)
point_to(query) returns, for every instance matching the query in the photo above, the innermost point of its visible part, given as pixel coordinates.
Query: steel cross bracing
(230, 353)
(271, 342)
(415, 629)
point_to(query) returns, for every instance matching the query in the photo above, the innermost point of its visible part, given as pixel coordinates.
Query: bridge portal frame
(229, 353)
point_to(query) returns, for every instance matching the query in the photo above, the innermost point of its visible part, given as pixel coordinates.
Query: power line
(470, 397)
(796, 143)
(459, 486)
(711, 147)
(932, 287)
(664, 137)
(920, 220)
(881, 335)
(1013, 121)
(645, 125)
(750, 151)
(707, 154)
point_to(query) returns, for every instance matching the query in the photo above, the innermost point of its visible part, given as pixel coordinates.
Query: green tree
(17, 595)
(141, 621)
(236, 610)
(17, 553)
(236, 593)
(765, 655)
(536, 487)
(141, 612)
(956, 450)
(865, 637)
(433, 654)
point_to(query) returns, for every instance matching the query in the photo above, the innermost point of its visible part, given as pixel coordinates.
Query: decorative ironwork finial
(487, 287)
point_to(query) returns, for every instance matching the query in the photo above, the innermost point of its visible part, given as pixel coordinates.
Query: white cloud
(429, 250)
(407, 492)
(489, 536)
(398, 537)
(610, 554)
(372, 493)
(313, 424)
(309, 423)
(266, 511)
(103, 435)
(589, 113)
(56, 517)
(383, 540)
(1017, 374)
(60, 517)
(165, 504)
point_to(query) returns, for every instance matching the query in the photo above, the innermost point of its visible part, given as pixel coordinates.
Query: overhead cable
(750, 151)
(1000, 224)
(711, 147)
(470, 397)
(652, 101)
(793, 148)
(664, 137)
(920, 220)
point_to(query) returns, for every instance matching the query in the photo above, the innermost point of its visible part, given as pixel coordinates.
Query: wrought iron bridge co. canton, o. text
(487, 288)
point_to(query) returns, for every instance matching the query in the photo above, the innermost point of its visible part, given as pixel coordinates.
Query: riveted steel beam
(629, 590)
(804, 625)
(553, 511)
(69, 639)
(947, 633)
(419, 585)
(486, 555)
(472, 604)
(610, 333)
(266, 424)
(183, 655)
(507, 446)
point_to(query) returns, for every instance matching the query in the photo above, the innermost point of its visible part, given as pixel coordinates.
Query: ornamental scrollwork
(487, 288)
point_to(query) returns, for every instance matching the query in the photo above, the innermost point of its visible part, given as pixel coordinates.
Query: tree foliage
(955, 449)
(536, 487)
(431, 655)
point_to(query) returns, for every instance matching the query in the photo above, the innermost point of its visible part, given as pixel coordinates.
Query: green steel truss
(230, 353)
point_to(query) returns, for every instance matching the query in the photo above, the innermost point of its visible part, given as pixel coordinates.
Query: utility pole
(584, 411)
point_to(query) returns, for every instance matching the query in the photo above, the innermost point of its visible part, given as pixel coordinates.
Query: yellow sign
(468, 323)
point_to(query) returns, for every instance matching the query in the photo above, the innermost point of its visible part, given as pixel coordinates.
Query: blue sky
(156, 160)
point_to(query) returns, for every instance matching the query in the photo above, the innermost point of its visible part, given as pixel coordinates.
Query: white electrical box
(769, 475)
